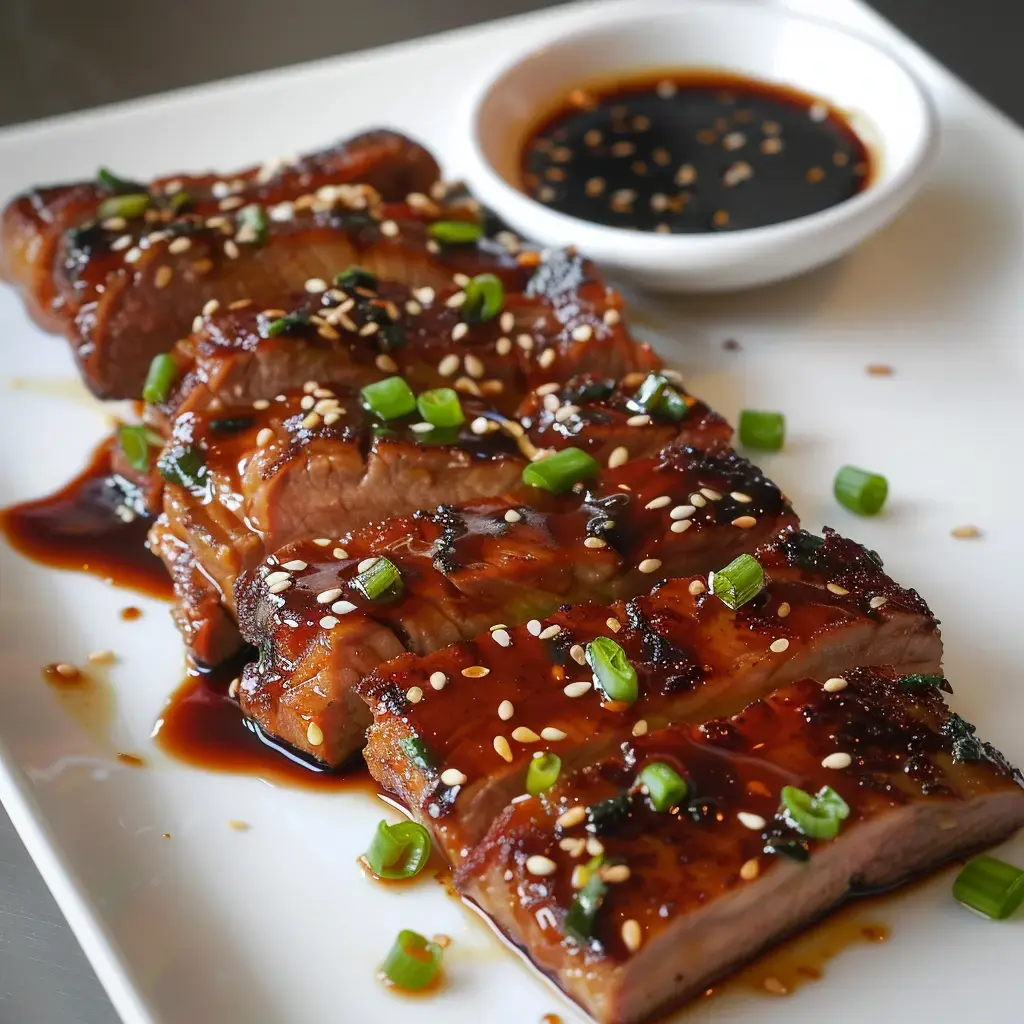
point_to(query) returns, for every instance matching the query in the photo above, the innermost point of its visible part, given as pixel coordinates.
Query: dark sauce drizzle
(690, 152)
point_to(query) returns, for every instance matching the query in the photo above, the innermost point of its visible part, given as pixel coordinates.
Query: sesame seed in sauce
(314, 734)
(834, 588)
(449, 365)
(838, 761)
(659, 502)
(503, 346)
(649, 565)
(594, 846)
(414, 695)
(522, 734)
(632, 935)
(613, 624)
(682, 526)
(744, 522)
(572, 817)
(750, 869)
(264, 437)
(343, 607)
(540, 866)
(577, 654)
(162, 277)
(328, 622)
(501, 638)
(778, 646)
(577, 689)
(474, 366)
(389, 229)
(783, 610)
(476, 671)
(453, 777)
(438, 680)
(385, 363)
(584, 332)
(295, 565)
(698, 500)
(878, 602)
(835, 684)
(752, 821)
(549, 632)
(459, 331)
(320, 542)
(640, 727)
(552, 734)
(533, 627)
(618, 457)
(696, 588)
(616, 874)
(502, 748)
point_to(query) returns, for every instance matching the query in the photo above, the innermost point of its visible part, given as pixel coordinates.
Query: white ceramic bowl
(882, 99)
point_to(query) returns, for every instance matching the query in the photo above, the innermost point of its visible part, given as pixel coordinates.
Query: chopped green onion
(134, 441)
(163, 372)
(380, 581)
(183, 465)
(818, 816)
(485, 296)
(657, 397)
(607, 815)
(666, 788)
(581, 917)
(543, 773)
(441, 407)
(417, 751)
(390, 398)
(860, 491)
(413, 962)
(455, 232)
(398, 851)
(762, 430)
(356, 277)
(232, 424)
(917, 679)
(558, 472)
(739, 582)
(285, 324)
(255, 218)
(117, 184)
(129, 206)
(612, 670)
(991, 887)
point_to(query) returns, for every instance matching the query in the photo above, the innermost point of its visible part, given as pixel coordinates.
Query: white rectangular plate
(276, 923)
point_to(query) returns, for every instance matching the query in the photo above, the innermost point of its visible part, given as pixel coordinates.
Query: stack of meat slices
(431, 477)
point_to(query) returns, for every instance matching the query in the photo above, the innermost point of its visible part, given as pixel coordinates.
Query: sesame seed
(582, 333)
(783, 610)
(101, 657)
(878, 601)
(615, 873)
(481, 425)
(549, 632)
(546, 358)
(533, 627)
(162, 277)
(438, 680)
(632, 935)
(276, 577)
(512, 516)
(327, 596)
(752, 821)
(611, 317)
(698, 500)
(501, 637)
(650, 565)
(339, 552)
(835, 684)
(424, 295)
(369, 329)
(453, 777)
(540, 866)
(314, 734)
(320, 542)
(295, 565)
(682, 526)
(367, 563)
(744, 522)
(572, 817)
(618, 457)
(834, 588)
(577, 654)
(448, 365)
(696, 587)
(231, 250)
(385, 363)
(459, 331)
(524, 341)
(121, 243)
(179, 245)
(576, 689)
(476, 672)
(307, 403)
(328, 622)
(549, 732)
(711, 494)
(658, 502)
(133, 254)
(780, 645)
(311, 420)
(750, 869)
(503, 346)
(389, 229)
(837, 761)
(414, 694)
(455, 300)
(279, 587)
(640, 420)
(342, 607)
(594, 846)
(502, 748)
(474, 366)
(640, 727)
(264, 437)
(421, 428)
(740, 496)
(524, 735)
(613, 624)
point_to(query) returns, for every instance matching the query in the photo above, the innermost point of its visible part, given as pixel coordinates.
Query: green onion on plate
(860, 491)
(991, 887)
(413, 963)
(398, 851)
(762, 430)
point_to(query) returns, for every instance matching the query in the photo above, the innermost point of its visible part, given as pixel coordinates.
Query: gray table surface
(60, 55)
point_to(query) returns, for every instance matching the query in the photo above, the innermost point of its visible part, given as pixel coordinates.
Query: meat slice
(684, 895)
(466, 570)
(827, 607)
(124, 285)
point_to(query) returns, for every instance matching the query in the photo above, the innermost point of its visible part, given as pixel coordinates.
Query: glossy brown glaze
(693, 152)
(673, 877)
(694, 658)
(93, 524)
(465, 570)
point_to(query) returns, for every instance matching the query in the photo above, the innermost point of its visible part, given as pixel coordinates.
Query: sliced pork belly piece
(685, 894)
(827, 607)
(464, 570)
(122, 267)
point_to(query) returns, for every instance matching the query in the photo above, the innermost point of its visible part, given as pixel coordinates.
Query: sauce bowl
(876, 93)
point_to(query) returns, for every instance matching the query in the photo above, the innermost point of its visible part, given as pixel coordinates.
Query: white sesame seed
(640, 420)
(682, 512)
(549, 632)
(524, 735)
(834, 588)
(540, 866)
(576, 689)
(179, 245)
(577, 654)
(389, 229)
(698, 500)
(632, 935)
(421, 428)
(533, 627)
(438, 680)
(658, 502)
(506, 710)
(367, 563)
(780, 645)
(101, 657)
(613, 624)
(750, 869)
(524, 341)
(276, 577)
(650, 565)
(611, 317)
(640, 727)
(503, 346)
(512, 516)
(507, 322)
(584, 332)
(343, 607)
(279, 587)
(549, 732)
(744, 522)
(837, 761)
(595, 542)
(459, 331)
(835, 684)
(546, 358)
(783, 610)
(315, 285)
(878, 601)
(327, 596)
(314, 734)
(740, 496)
(448, 365)
(425, 295)
(474, 366)
(696, 587)
(133, 254)
(501, 637)
(453, 777)
(261, 404)
(414, 694)
(295, 565)
(456, 300)
(476, 671)
(502, 748)
(385, 363)
(264, 437)
(752, 821)
(615, 873)
(682, 526)
(339, 553)
(618, 457)
(711, 494)
(328, 622)
(594, 846)
(572, 817)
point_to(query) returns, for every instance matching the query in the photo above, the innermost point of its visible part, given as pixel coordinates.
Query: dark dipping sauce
(693, 152)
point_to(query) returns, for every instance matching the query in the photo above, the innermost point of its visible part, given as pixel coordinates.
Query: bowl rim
(496, 191)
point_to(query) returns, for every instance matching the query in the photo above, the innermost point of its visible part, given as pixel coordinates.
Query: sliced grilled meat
(827, 607)
(683, 895)
(466, 570)
(122, 267)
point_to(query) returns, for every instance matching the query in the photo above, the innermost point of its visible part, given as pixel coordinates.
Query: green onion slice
(390, 398)
(657, 397)
(398, 851)
(543, 773)
(134, 441)
(991, 887)
(860, 491)
(666, 788)
(285, 324)
(108, 179)
(129, 206)
(381, 581)
(163, 372)
(356, 277)
(762, 430)
(255, 217)
(455, 232)
(441, 407)
(485, 296)
(818, 816)
(413, 962)
(558, 472)
(739, 582)
(612, 670)
(581, 917)
(916, 680)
